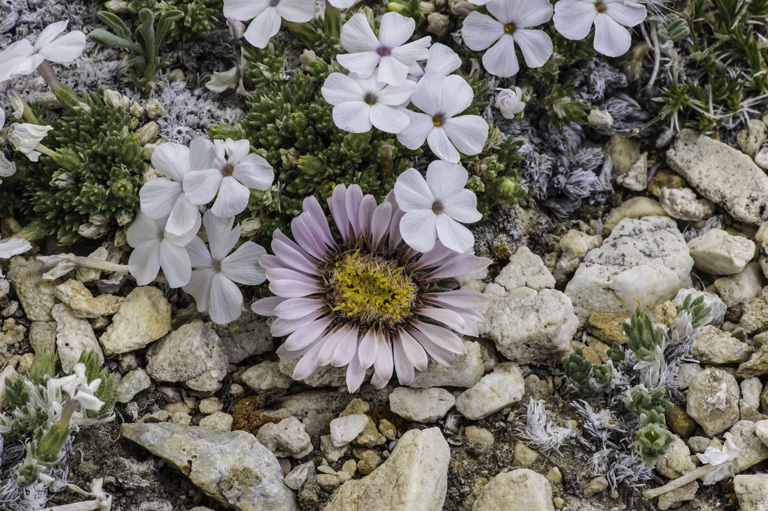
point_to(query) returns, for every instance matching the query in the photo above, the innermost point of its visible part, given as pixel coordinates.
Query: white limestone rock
(143, 317)
(73, 337)
(719, 253)
(286, 438)
(741, 287)
(347, 428)
(496, 390)
(521, 489)
(266, 375)
(713, 400)
(466, 370)
(421, 405)
(684, 204)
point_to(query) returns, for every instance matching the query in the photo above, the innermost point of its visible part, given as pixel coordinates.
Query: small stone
(675, 461)
(624, 153)
(742, 287)
(636, 207)
(299, 475)
(330, 451)
(83, 304)
(387, 429)
(608, 326)
(370, 436)
(73, 337)
(636, 178)
(752, 491)
(713, 400)
(479, 436)
(755, 313)
(181, 418)
(177, 407)
(713, 346)
(218, 421)
(286, 438)
(466, 370)
(127, 363)
(558, 502)
(752, 138)
(347, 428)
(521, 489)
(750, 441)
(757, 365)
(369, 460)
(42, 335)
(719, 253)
(677, 496)
(684, 204)
(685, 374)
(143, 317)
(156, 417)
(761, 158)
(244, 337)
(265, 376)
(356, 406)
(596, 485)
(679, 422)
(35, 294)
(421, 405)
(574, 245)
(210, 405)
(750, 392)
(698, 444)
(131, 384)
(524, 455)
(495, 391)
(328, 481)
(554, 475)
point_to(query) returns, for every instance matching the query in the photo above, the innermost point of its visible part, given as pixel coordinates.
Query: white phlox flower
(10, 247)
(154, 248)
(22, 58)
(25, 137)
(343, 4)
(720, 459)
(227, 170)
(435, 207)
(388, 55)
(574, 19)
(441, 60)
(359, 103)
(510, 102)
(213, 282)
(514, 19)
(441, 99)
(163, 197)
(78, 388)
(267, 16)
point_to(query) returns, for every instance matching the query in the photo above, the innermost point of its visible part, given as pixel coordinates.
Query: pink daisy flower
(366, 299)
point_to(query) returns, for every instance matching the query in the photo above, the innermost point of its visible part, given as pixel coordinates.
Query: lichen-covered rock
(286, 438)
(35, 294)
(496, 390)
(143, 317)
(755, 313)
(131, 384)
(521, 489)
(346, 428)
(684, 204)
(722, 174)
(713, 400)
(643, 260)
(73, 337)
(752, 491)
(713, 346)
(751, 138)
(421, 405)
(527, 319)
(720, 253)
(233, 468)
(191, 355)
(676, 461)
(757, 365)
(413, 478)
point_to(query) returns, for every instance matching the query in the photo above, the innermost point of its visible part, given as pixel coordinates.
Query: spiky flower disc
(366, 299)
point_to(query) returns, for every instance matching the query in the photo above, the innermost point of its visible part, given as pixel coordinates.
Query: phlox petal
(242, 266)
(535, 45)
(418, 230)
(500, 60)
(389, 119)
(352, 116)
(226, 300)
(467, 132)
(263, 27)
(65, 49)
(174, 261)
(480, 31)
(296, 11)
(611, 39)
(144, 262)
(454, 235)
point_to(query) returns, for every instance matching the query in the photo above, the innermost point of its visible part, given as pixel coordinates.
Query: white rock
(143, 317)
(330, 451)
(749, 443)
(35, 294)
(722, 174)
(636, 207)
(761, 158)
(219, 421)
(131, 384)
(742, 287)
(527, 319)
(286, 438)
(752, 492)
(73, 337)
(521, 489)
(713, 346)
(296, 478)
(717, 307)
(713, 400)
(719, 253)
(265, 376)
(751, 138)
(466, 370)
(83, 304)
(750, 391)
(643, 259)
(421, 405)
(497, 390)
(574, 245)
(686, 373)
(413, 478)
(191, 355)
(636, 178)
(347, 428)
(684, 204)
(676, 461)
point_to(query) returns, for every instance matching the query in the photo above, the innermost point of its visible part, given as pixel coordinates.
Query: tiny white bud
(118, 6)
(147, 133)
(600, 118)
(116, 100)
(153, 108)
(510, 102)
(18, 104)
(236, 28)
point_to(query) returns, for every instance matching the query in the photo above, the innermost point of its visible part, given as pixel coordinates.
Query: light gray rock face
(73, 337)
(521, 489)
(527, 319)
(218, 421)
(752, 492)
(683, 204)
(413, 478)
(246, 336)
(742, 287)
(143, 317)
(286, 438)
(421, 405)
(751, 138)
(676, 461)
(347, 428)
(233, 468)
(266, 375)
(722, 174)
(750, 443)
(717, 307)
(713, 400)
(719, 253)
(643, 259)
(496, 390)
(35, 294)
(299, 475)
(713, 346)
(466, 370)
(191, 355)
(131, 384)
(82, 302)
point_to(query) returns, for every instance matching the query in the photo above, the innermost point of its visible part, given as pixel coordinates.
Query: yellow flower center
(600, 6)
(438, 120)
(510, 28)
(370, 289)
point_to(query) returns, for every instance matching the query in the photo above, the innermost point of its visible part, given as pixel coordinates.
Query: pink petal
(266, 306)
(368, 349)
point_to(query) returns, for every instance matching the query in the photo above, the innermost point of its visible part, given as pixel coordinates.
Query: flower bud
(18, 104)
(177, 75)
(116, 100)
(223, 80)
(147, 133)
(61, 179)
(250, 227)
(600, 118)
(153, 108)
(92, 231)
(510, 102)
(307, 58)
(124, 217)
(117, 6)
(136, 110)
(236, 28)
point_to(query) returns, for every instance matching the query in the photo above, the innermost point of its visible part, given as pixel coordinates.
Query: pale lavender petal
(380, 222)
(418, 229)
(434, 349)
(202, 155)
(355, 375)
(611, 39)
(315, 218)
(440, 144)
(574, 18)
(416, 133)
(306, 335)
(365, 214)
(403, 366)
(480, 31)
(200, 186)
(383, 365)
(440, 336)
(395, 29)
(331, 341)
(305, 236)
(172, 160)
(445, 316)
(254, 172)
(174, 261)
(184, 218)
(445, 180)
(199, 287)
(362, 64)
(413, 351)
(346, 349)
(158, 197)
(357, 35)
(233, 198)
(144, 262)
(293, 257)
(465, 298)
(226, 300)
(369, 348)
(454, 235)
(428, 93)
(267, 306)
(467, 132)
(221, 236)
(352, 200)
(461, 264)
(462, 207)
(308, 363)
(337, 205)
(242, 266)
(293, 288)
(535, 45)
(199, 256)
(412, 192)
(295, 308)
(281, 326)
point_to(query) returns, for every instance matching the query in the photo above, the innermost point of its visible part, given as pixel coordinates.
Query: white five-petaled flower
(343, 4)
(435, 206)
(25, 137)
(22, 58)
(387, 55)
(442, 60)
(155, 248)
(164, 197)
(228, 169)
(510, 102)
(78, 388)
(441, 98)
(574, 19)
(213, 282)
(512, 25)
(267, 16)
(359, 103)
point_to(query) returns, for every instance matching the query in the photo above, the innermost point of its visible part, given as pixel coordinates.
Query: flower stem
(46, 71)
(49, 152)
(681, 481)
(27, 114)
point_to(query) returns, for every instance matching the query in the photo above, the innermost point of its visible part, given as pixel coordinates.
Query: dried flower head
(367, 299)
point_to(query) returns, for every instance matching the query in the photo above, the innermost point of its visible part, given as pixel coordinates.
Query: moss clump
(198, 19)
(95, 179)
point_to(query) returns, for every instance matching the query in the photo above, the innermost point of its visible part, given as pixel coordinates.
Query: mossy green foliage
(577, 367)
(643, 401)
(198, 18)
(97, 173)
(106, 391)
(696, 308)
(653, 438)
(616, 353)
(642, 337)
